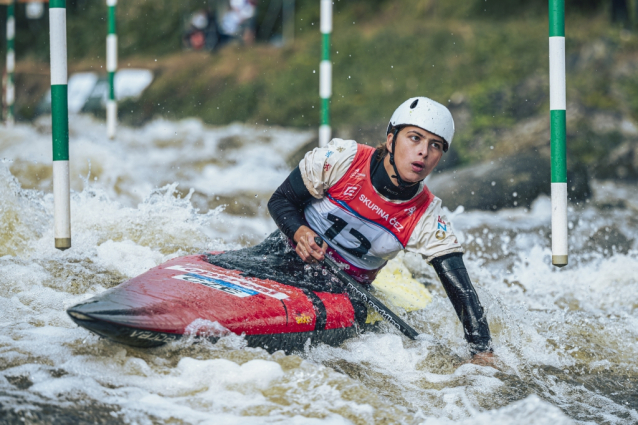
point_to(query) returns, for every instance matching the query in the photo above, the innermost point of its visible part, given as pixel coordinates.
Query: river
(566, 339)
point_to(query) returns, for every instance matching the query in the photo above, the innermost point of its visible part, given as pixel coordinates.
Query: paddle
(355, 289)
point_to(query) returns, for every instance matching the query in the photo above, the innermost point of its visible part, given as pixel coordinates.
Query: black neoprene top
(286, 207)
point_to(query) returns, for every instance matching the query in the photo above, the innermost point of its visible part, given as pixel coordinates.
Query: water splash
(567, 338)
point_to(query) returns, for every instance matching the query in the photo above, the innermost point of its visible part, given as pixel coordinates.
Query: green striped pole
(325, 73)
(111, 67)
(11, 61)
(60, 124)
(557, 106)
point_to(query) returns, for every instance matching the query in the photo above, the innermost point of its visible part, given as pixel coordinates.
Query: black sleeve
(457, 284)
(287, 203)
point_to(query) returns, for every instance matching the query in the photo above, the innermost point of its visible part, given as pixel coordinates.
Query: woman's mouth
(417, 167)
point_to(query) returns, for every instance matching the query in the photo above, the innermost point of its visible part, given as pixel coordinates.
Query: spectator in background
(201, 32)
(237, 20)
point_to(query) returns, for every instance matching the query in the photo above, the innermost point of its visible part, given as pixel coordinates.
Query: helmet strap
(402, 183)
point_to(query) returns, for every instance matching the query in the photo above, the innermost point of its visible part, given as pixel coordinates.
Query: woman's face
(417, 153)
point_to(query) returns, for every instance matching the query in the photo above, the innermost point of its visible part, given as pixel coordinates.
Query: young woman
(368, 204)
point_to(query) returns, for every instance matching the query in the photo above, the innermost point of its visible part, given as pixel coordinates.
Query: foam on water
(566, 339)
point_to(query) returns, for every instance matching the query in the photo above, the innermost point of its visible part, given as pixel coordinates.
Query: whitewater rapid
(566, 339)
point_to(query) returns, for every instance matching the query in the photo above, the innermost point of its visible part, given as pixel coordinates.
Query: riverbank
(493, 74)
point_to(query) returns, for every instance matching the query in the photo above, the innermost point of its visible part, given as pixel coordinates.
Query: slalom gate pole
(60, 124)
(356, 290)
(111, 67)
(11, 61)
(288, 18)
(325, 73)
(557, 106)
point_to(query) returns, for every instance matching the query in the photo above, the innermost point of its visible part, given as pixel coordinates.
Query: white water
(567, 339)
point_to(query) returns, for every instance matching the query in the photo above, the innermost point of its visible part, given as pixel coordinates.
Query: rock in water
(507, 182)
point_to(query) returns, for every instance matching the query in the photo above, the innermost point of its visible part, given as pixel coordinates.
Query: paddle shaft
(355, 289)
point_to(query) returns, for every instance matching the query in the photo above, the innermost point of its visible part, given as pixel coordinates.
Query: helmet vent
(414, 104)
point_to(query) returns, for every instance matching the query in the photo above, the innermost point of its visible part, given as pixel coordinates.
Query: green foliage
(629, 86)
(492, 55)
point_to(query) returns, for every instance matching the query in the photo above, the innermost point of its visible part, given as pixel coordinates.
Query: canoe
(190, 296)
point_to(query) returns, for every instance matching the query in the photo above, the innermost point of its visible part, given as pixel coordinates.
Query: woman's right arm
(286, 207)
(317, 172)
(288, 202)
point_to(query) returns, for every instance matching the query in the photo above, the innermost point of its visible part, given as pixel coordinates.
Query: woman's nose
(423, 150)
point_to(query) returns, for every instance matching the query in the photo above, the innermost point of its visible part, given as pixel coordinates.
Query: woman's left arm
(458, 286)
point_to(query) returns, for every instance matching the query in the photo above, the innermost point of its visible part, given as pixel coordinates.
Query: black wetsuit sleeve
(286, 205)
(457, 284)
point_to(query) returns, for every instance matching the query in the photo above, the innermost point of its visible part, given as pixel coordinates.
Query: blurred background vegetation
(486, 59)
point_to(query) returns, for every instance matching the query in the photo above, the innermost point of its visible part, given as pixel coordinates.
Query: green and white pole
(11, 62)
(557, 106)
(60, 124)
(325, 72)
(111, 67)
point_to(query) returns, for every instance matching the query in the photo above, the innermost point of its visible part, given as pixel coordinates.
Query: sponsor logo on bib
(384, 215)
(357, 175)
(351, 191)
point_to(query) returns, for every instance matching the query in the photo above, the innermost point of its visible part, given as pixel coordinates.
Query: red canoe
(159, 305)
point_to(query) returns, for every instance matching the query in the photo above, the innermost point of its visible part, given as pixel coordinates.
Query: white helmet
(427, 114)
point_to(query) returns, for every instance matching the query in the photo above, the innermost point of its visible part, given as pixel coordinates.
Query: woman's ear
(388, 141)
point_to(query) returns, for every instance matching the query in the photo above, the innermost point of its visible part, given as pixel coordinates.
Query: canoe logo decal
(153, 336)
(232, 285)
(303, 319)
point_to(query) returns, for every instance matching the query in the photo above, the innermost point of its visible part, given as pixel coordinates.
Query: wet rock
(610, 240)
(507, 182)
(621, 163)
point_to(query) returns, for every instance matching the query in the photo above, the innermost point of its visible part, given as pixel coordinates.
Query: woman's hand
(307, 248)
(486, 358)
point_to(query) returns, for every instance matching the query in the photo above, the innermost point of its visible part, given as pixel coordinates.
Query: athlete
(368, 204)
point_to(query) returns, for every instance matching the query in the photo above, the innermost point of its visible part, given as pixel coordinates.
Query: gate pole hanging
(11, 61)
(60, 124)
(111, 67)
(325, 73)
(557, 106)
(288, 21)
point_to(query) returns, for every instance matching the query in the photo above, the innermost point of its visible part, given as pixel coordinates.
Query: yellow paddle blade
(395, 287)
